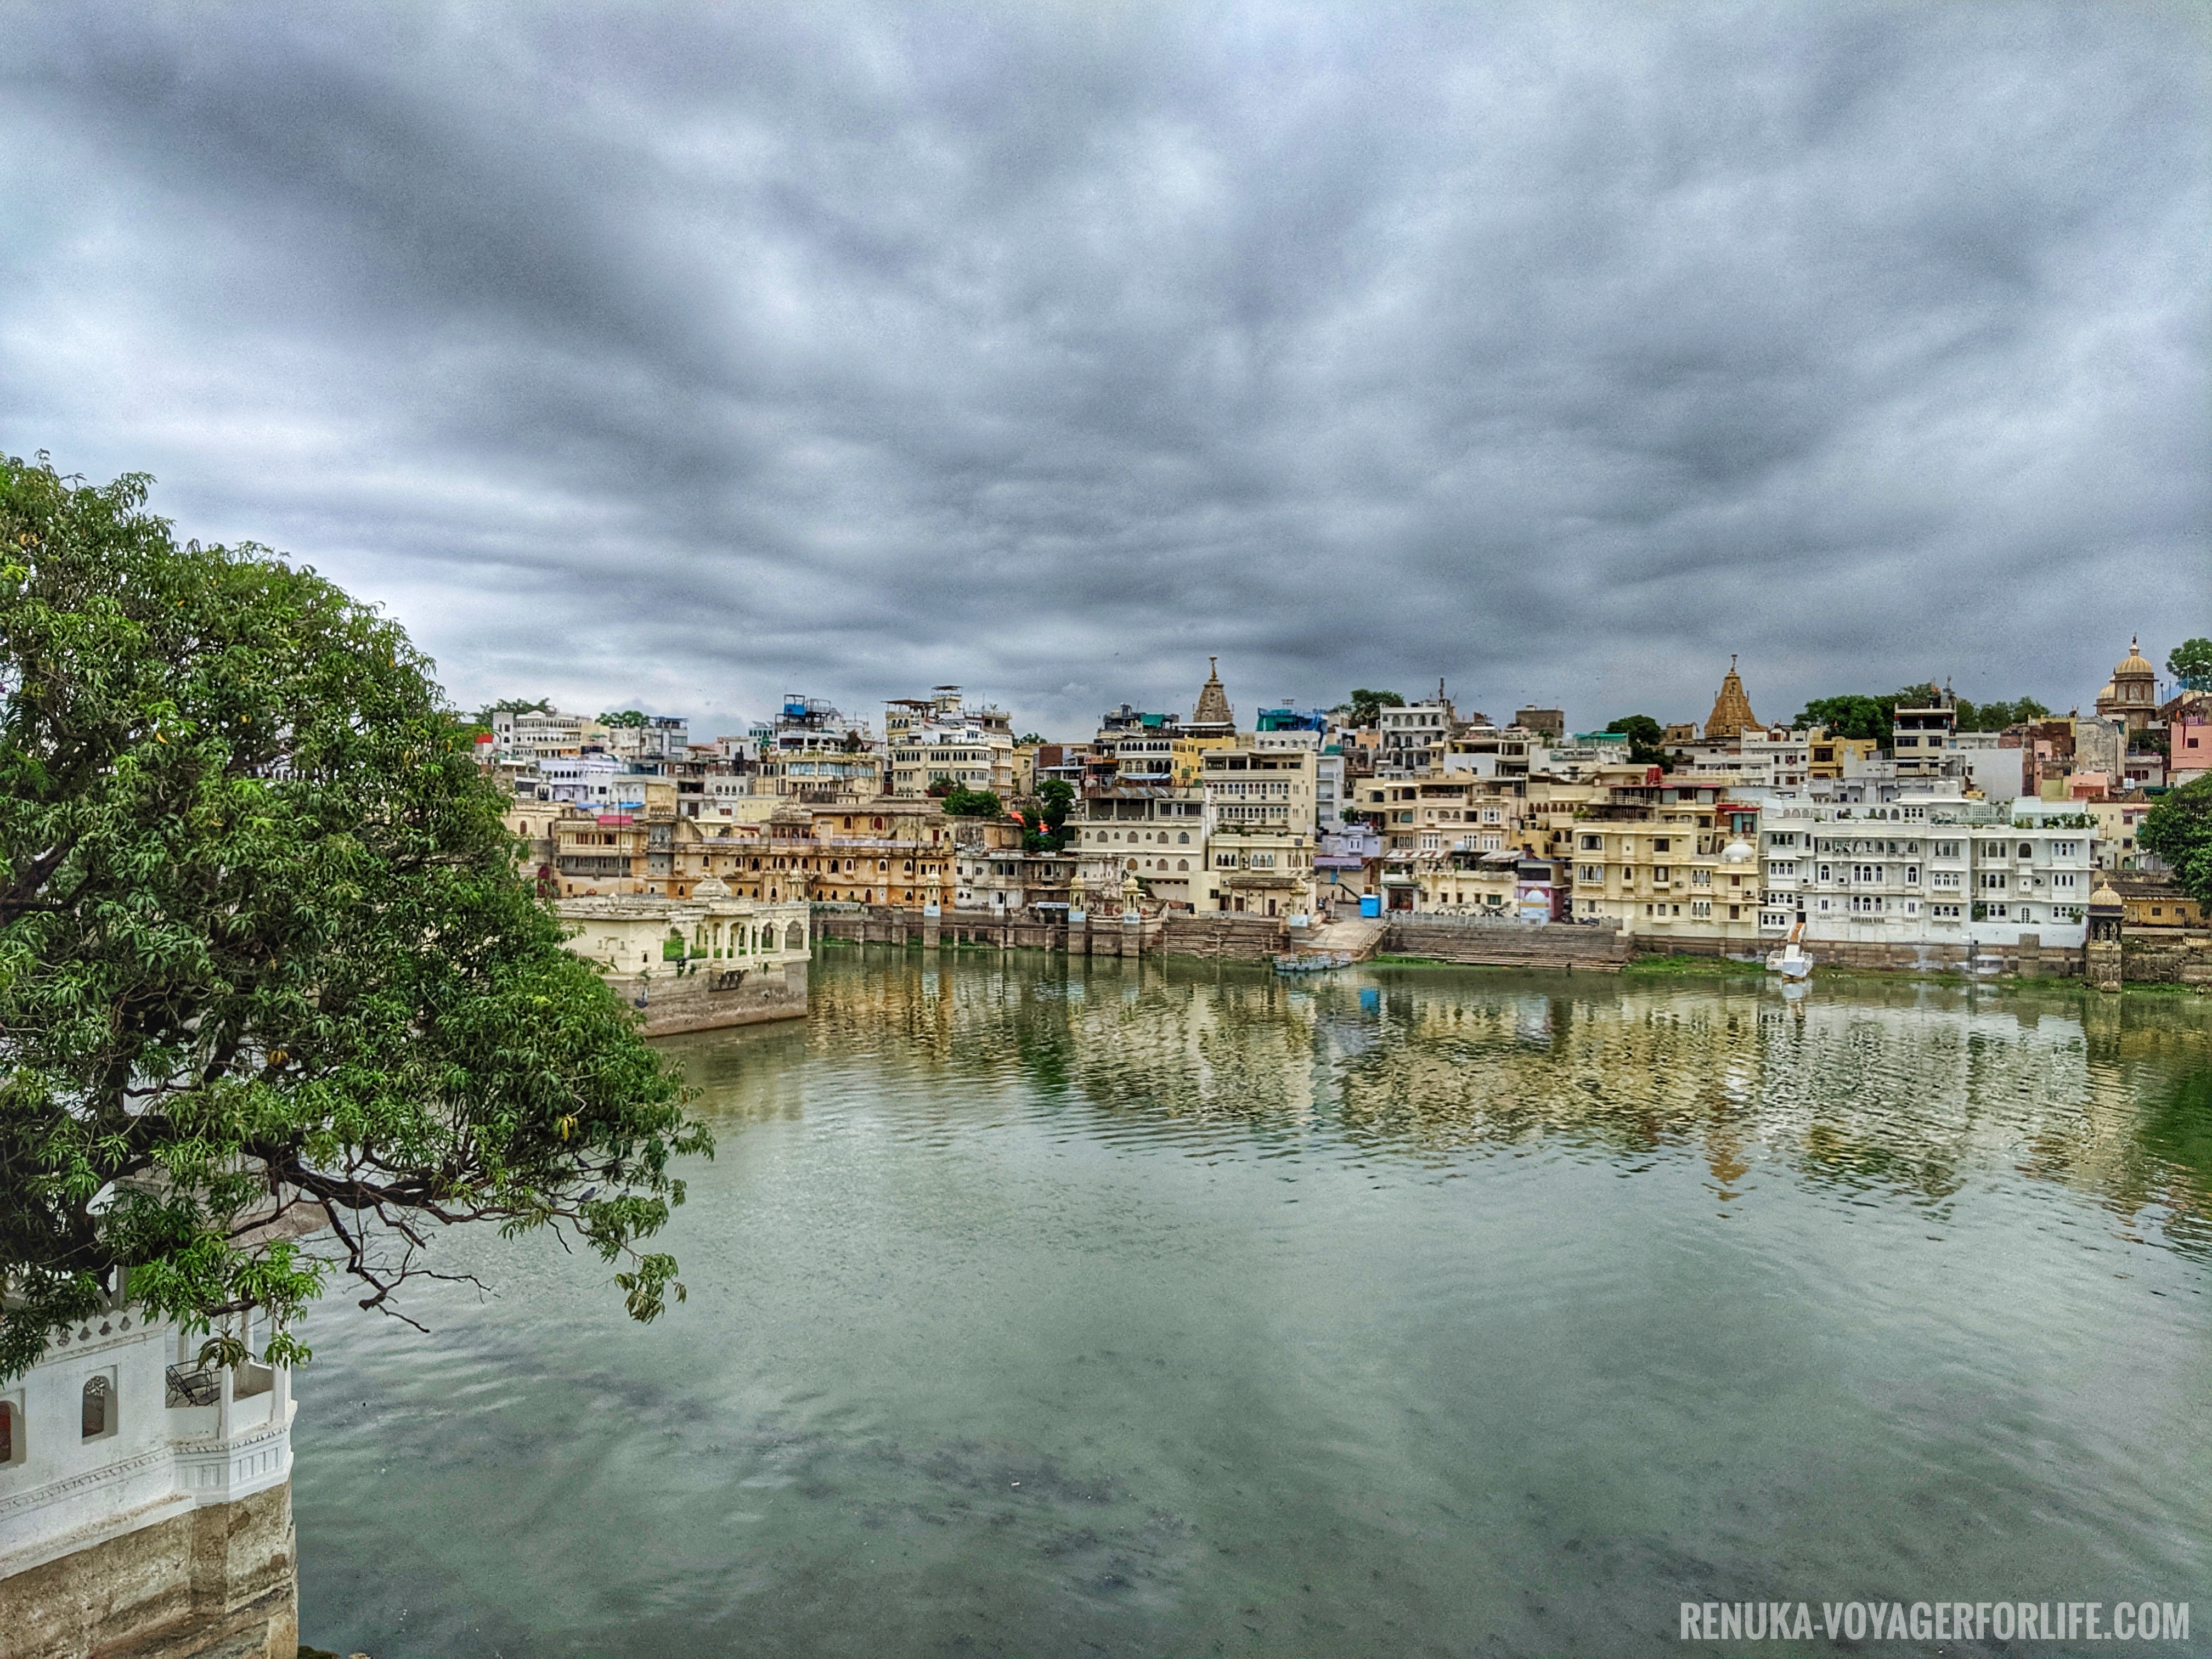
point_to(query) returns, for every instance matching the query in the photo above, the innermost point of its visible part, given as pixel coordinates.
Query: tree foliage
(2190, 662)
(1366, 707)
(1055, 799)
(624, 717)
(2179, 829)
(1871, 719)
(1645, 737)
(265, 956)
(1995, 716)
(962, 803)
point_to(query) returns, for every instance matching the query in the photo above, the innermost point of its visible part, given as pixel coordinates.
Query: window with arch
(1182, 864)
(99, 1406)
(1183, 840)
(794, 937)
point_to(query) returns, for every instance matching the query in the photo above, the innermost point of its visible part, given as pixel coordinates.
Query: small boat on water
(1791, 961)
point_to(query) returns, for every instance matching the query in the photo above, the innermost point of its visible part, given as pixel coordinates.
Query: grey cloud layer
(685, 355)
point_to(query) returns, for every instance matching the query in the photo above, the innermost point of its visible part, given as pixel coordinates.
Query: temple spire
(1212, 701)
(1731, 716)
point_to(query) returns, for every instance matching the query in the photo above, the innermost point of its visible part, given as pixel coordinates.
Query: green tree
(1055, 799)
(1027, 739)
(1995, 716)
(2190, 662)
(630, 717)
(1851, 715)
(2179, 829)
(1645, 737)
(1366, 707)
(961, 803)
(513, 706)
(264, 953)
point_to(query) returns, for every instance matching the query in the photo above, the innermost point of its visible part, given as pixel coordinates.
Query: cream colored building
(1675, 859)
(1157, 835)
(1257, 872)
(939, 738)
(635, 933)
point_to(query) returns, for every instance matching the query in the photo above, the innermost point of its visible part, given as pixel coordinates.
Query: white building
(597, 780)
(1928, 872)
(539, 734)
(939, 738)
(1412, 739)
(120, 1429)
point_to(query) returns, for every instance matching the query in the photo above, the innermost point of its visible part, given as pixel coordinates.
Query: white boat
(1791, 961)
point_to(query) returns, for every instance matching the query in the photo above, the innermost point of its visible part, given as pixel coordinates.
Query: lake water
(1048, 1308)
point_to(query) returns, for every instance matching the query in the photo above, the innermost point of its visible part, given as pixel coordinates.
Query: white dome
(713, 887)
(1738, 852)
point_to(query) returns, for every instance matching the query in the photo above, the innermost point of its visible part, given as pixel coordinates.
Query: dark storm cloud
(685, 356)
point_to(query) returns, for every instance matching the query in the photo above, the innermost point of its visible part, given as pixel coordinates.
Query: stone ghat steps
(1243, 939)
(1358, 938)
(1555, 945)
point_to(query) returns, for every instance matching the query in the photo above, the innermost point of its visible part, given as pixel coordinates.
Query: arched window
(99, 1406)
(1183, 840)
(1182, 864)
(794, 937)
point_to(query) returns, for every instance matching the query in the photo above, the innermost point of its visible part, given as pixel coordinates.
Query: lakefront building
(710, 959)
(145, 1499)
(1954, 873)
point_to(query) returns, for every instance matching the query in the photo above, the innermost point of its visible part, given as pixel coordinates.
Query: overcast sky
(680, 356)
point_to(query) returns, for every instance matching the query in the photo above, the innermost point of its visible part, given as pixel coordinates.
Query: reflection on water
(1910, 1088)
(1050, 1307)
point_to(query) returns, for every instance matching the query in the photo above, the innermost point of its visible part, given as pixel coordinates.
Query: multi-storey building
(889, 852)
(1412, 739)
(653, 742)
(939, 739)
(1260, 789)
(993, 870)
(1928, 871)
(1672, 857)
(1488, 751)
(1260, 829)
(1156, 833)
(812, 754)
(542, 734)
(1921, 735)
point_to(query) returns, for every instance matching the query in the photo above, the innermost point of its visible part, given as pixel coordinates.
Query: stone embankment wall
(219, 1580)
(2027, 960)
(1104, 933)
(2165, 957)
(1482, 943)
(706, 997)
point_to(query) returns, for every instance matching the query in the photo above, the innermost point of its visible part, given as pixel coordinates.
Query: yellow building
(1469, 884)
(1671, 860)
(1830, 757)
(2130, 697)
(1257, 872)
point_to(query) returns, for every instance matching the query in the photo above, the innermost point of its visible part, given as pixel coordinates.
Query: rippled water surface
(1044, 1309)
